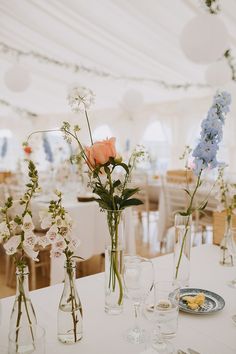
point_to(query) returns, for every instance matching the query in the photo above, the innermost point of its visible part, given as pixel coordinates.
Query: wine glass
(138, 281)
(162, 308)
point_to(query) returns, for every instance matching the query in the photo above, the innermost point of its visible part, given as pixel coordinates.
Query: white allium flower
(80, 98)
(12, 244)
(27, 223)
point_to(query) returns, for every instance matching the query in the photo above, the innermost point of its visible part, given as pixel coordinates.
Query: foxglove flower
(52, 233)
(31, 253)
(46, 219)
(27, 223)
(12, 244)
(74, 244)
(4, 231)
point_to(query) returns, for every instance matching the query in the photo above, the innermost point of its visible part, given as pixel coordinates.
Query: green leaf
(128, 192)
(116, 183)
(125, 167)
(188, 192)
(203, 206)
(131, 202)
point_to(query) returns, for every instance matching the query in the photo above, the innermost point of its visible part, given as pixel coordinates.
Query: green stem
(182, 248)
(20, 298)
(189, 212)
(73, 300)
(113, 223)
(89, 128)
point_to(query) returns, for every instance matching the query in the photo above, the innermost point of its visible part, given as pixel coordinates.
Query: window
(8, 151)
(102, 132)
(155, 141)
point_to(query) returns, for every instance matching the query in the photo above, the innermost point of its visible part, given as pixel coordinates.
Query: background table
(90, 227)
(102, 334)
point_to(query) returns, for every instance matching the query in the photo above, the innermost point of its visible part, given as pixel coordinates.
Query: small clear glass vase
(182, 249)
(114, 260)
(70, 315)
(227, 245)
(23, 314)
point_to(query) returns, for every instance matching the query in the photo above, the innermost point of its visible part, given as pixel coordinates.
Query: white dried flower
(80, 98)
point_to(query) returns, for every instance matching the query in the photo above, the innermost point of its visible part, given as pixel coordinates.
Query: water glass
(27, 340)
(166, 307)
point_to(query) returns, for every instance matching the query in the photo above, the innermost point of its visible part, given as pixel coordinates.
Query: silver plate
(213, 302)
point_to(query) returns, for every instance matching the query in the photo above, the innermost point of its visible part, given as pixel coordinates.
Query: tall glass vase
(182, 249)
(114, 260)
(227, 245)
(23, 314)
(70, 315)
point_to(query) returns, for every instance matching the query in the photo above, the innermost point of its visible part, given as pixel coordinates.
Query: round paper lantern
(132, 101)
(17, 78)
(218, 73)
(204, 39)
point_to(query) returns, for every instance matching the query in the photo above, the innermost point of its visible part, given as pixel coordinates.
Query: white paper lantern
(132, 101)
(17, 78)
(204, 39)
(218, 73)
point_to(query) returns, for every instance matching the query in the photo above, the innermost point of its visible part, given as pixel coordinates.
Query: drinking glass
(232, 250)
(138, 281)
(27, 340)
(162, 309)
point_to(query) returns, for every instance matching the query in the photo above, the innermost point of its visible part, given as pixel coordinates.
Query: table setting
(166, 296)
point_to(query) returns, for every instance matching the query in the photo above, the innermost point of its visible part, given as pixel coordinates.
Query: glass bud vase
(114, 256)
(23, 314)
(227, 245)
(70, 316)
(182, 249)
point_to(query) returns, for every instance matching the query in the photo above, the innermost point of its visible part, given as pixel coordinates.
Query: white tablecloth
(90, 226)
(102, 334)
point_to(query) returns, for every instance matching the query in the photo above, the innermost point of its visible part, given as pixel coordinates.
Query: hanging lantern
(17, 78)
(204, 39)
(218, 73)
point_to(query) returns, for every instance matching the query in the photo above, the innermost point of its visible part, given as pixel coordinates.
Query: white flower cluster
(80, 98)
(58, 234)
(23, 235)
(225, 194)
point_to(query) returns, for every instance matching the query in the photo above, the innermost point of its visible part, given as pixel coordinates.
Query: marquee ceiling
(125, 37)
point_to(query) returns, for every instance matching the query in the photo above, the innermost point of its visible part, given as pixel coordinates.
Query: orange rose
(100, 152)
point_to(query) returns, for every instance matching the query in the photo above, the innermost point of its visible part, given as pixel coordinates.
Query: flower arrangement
(19, 240)
(59, 225)
(112, 191)
(205, 154)
(104, 164)
(226, 195)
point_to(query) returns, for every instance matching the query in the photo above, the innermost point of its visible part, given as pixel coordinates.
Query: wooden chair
(179, 176)
(219, 219)
(43, 265)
